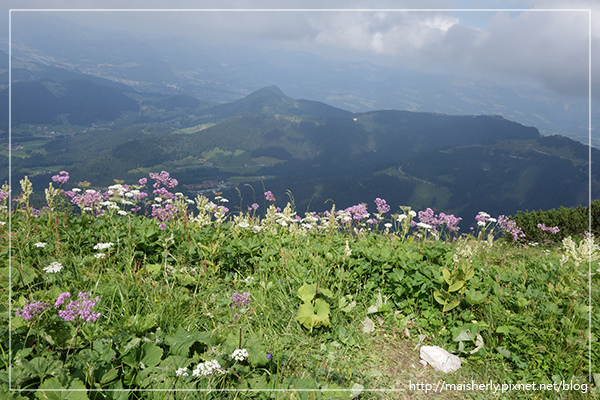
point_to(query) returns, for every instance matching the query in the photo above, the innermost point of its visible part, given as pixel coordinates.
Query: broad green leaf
(372, 309)
(453, 304)
(368, 325)
(311, 317)
(474, 297)
(182, 340)
(53, 389)
(456, 286)
(464, 336)
(439, 297)
(307, 292)
(326, 292)
(505, 329)
(504, 351)
(151, 354)
(470, 273)
(447, 276)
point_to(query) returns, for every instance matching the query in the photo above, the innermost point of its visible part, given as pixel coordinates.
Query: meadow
(137, 292)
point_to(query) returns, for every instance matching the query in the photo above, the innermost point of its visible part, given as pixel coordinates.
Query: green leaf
(464, 336)
(151, 354)
(311, 317)
(307, 292)
(505, 352)
(326, 292)
(440, 297)
(447, 276)
(474, 297)
(456, 286)
(54, 389)
(182, 340)
(368, 325)
(453, 304)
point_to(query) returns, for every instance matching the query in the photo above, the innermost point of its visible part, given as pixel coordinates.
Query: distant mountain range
(456, 164)
(61, 51)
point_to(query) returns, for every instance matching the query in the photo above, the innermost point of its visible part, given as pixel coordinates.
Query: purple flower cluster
(163, 178)
(358, 211)
(81, 308)
(89, 199)
(269, 196)
(164, 193)
(163, 214)
(511, 227)
(253, 207)
(31, 309)
(382, 206)
(428, 217)
(62, 177)
(240, 300)
(553, 229)
(3, 195)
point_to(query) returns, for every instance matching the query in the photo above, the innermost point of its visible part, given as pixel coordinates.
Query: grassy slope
(529, 309)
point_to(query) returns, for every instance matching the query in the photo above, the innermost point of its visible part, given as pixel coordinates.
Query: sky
(546, 48)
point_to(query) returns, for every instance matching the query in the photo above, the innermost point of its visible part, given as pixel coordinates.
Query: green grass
(512, 312)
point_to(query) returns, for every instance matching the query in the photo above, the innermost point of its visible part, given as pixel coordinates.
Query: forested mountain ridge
(460, 164)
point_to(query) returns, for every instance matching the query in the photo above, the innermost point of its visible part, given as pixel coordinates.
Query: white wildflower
(40, 244)
(122, 213)
(158, 199)
(412, 213)
(480, 223)
(102, 246)
(207, 368)
(240, 354)
(100, 255)
(53, 267)
(181, 372)
(76, 190)
(388, 225)
(423, 225)
(401, 218)
(244, 224)
(249, 279)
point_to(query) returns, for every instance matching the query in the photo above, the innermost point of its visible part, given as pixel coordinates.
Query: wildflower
(358, 212)
(81, 308)
(181, 372)
(102, 246)
(207, 368)
(382, 206)
(553, 229)
(143, 181)
(240, 300)
(268, 356)
(62, 177)
(424, 225)
(40, 244)
(387, 225)
(401, 218)
(249, 279)
(511, 227)
(163, 178)
(53, 267)
(61, 299)
(122, 213)
(100, 255)
(254, 206)
(412, 213)
(269, 196)
(31, 309)
(240, 354)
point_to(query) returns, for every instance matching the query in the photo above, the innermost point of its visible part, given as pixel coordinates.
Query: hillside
(458, 164)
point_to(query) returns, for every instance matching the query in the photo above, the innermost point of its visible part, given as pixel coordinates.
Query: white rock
(440, 359)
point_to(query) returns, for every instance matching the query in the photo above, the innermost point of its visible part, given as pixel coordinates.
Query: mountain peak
(271, 100)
